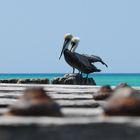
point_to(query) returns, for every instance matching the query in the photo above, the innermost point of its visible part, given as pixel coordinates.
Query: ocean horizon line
(69, 73)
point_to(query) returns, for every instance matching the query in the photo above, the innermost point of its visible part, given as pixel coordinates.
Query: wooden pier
(84, 119)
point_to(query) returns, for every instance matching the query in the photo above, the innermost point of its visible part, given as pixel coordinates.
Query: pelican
(80, 63)
(66, 51)
(90, 58)
(74, 42)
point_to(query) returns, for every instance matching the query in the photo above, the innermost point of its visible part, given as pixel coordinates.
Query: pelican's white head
(75, 39)
(68, 36)
(74, 43)
(67, 39)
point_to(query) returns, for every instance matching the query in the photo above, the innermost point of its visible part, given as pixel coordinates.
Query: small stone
(55, 80)
(23, 81)
(61, 80)
(124, 102)
(70, 81)
(34, 102)
(103, 93)
(122, 85)
(13, 80)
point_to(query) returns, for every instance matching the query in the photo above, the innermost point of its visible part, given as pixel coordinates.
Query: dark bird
(84, 57)
(79, 62)
(66, 51)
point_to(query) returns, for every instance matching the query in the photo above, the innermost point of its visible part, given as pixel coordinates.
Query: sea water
(113, 79)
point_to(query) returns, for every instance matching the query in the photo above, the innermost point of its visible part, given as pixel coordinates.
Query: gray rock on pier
(73, 79)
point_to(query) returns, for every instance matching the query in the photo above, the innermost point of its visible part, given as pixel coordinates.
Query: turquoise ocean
(101, 79)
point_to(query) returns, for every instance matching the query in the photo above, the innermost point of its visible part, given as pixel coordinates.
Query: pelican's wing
(76, 61)
(94, 58)
(83, 59)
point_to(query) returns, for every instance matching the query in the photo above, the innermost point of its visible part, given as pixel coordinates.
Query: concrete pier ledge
(83, 117)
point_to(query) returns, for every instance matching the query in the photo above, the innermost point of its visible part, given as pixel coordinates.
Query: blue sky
(31, 34)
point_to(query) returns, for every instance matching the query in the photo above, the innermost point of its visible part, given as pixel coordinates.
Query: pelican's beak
(64, 45)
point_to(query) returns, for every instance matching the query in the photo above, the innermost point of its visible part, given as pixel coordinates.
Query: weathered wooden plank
(49, 121)
(54, 95)
(61, 88)
(77, 103)
(76, 112)
(79, 131)
(71, 96)
(3, 110)
(63, 103)
(10, 95)
(22, 86)
(6, 102)
(72, 112)
(48, 85)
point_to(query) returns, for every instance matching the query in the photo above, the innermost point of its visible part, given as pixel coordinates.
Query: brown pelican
(65, 50)
(80, 63)
(90, 58)
(74, 42)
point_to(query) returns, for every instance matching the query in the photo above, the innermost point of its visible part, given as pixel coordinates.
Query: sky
(32, 32)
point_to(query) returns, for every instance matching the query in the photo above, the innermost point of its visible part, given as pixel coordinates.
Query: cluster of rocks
(68, 79)
(73, 79)
(26, 81)
(34, 102)
(120, 101)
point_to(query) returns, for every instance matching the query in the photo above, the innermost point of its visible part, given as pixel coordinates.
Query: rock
(9, 81)
(103, 93)
(124, 102)
(34, 102)
(73, 75)
(70, 81)
(13, 80)
(33, 81)
(26, 81)
(39, 81)
(62, 80)
(88, 81)
(122, 85)
(125, 92)
(73, 79)
(3, 81)
(45, 81)
(55, 80)
(23, 81)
